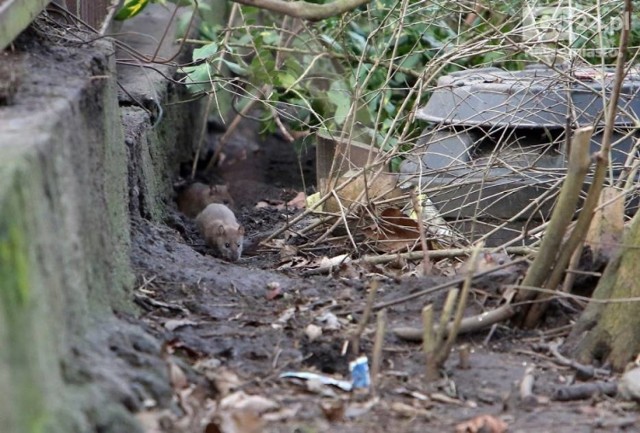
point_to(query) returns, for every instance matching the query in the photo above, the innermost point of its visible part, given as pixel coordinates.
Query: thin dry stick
(453, 282)
(443, 352)
(445, 316)
(346, 223)
(437, 254)
(526, 386)
(378, 343)
(426, 263)
(467, 326)
(203, 131)
(429, 344)
(233, 126)
(570, 276)
(464, 353)
(373, 289)
(316, 205)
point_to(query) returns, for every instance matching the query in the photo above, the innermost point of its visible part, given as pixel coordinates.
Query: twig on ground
(464, 354)
(445, 316)
(452, 331)
(453, 282)
(376, 361)
(417, 208)
(526, 387)
(468, 324)
(583, 372)
(584, 391)
(362, 324)
(436, 254)
(429, 344)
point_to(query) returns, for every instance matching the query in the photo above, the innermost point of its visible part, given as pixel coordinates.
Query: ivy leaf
(285, 79)
(198, 78)
(340, 97)
(236, 68)
(130, 9)
(358, 42)
(205, 52)
(271, 38)
(207, 30)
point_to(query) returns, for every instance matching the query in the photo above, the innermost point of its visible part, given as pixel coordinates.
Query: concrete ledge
(69, 183)
(64, 229)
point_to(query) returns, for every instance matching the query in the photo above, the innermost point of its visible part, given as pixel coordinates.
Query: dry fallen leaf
(288, 252)
(333, 410)
(177, 377)
(482, 424)
(225, 380)
(173, 324)
(273, 290)
(298, 202)
(409, 411)
(394, 231)
(242, 401)
(286, 315)
(151, 420)
(241, 413)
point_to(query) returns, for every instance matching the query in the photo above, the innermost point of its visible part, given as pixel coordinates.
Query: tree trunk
(610, 332)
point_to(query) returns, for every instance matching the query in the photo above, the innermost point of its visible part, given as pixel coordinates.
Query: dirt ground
(231, 329)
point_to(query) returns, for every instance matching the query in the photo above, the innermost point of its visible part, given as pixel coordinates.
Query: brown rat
(194, 198)
(221, 231)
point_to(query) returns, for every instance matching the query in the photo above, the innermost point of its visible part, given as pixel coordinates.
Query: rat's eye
(501, 262)
(227, 245)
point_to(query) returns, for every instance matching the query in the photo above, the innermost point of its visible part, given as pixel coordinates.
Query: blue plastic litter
(359, 376)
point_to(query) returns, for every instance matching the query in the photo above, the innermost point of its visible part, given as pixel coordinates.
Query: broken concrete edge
(154, 111)
(66, 183)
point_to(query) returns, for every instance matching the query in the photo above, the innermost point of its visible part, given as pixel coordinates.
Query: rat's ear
(488, 257)
(241, 230)
(221, 229)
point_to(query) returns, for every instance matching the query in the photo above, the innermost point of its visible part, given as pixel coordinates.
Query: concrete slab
(70, 179)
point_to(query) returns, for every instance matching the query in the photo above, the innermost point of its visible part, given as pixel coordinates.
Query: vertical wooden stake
(376, 361)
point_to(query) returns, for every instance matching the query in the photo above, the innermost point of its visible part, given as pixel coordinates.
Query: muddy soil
(225, 320)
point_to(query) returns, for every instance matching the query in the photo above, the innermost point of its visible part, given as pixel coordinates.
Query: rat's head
(229, 242)
(219, 194)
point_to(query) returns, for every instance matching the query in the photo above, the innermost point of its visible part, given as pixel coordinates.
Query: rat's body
(194, 199)
(221, 231)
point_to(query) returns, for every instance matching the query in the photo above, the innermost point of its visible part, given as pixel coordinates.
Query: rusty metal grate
(16, 15)
(93, 12)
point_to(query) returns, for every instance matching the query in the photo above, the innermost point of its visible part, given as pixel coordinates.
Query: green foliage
(131, 8)
(366, 71)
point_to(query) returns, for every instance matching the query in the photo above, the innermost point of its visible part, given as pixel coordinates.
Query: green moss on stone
(14, 268)
(25, 406)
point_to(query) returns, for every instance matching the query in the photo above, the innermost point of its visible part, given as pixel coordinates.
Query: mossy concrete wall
(70, 178)
(63, 225)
